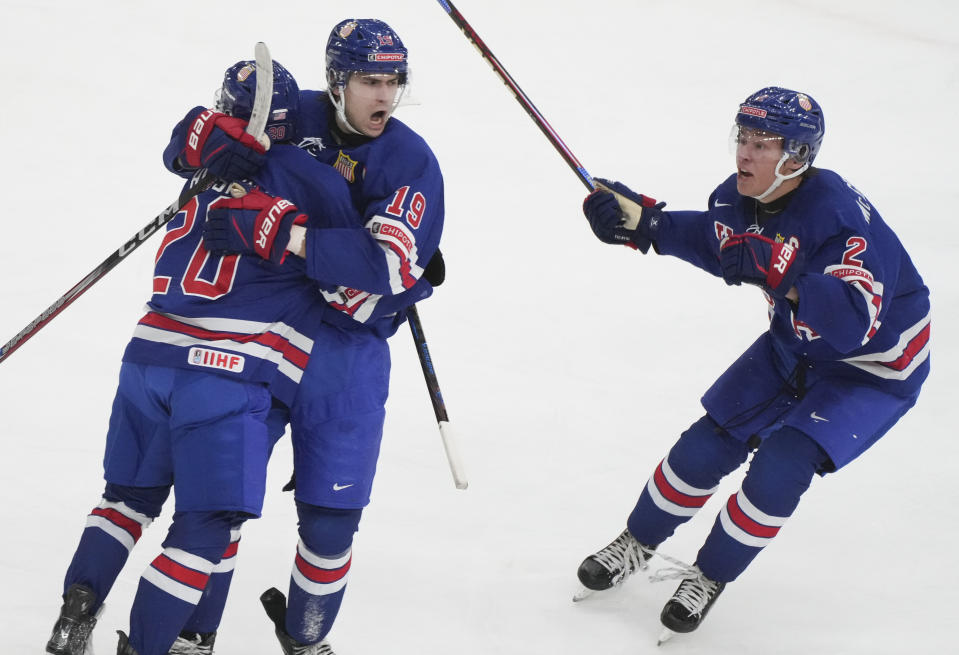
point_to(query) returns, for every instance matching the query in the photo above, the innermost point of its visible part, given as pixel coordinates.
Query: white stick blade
(264, 92)
(451, 446)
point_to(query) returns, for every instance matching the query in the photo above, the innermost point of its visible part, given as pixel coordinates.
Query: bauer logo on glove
(256, 223)
(755, 259)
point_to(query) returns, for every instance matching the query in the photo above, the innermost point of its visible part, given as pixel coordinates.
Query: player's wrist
(297, 243)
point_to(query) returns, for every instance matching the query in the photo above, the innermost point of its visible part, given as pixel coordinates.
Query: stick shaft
(518, 93)
(450, 442)
(200, 183)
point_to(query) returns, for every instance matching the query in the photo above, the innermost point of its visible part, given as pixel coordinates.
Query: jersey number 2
(854, 246)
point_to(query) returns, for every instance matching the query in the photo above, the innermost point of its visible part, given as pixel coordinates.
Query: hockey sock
(318, 582)
(173, 584)
(112, 530)
(206, 617)
(779, 474)
(685, 480)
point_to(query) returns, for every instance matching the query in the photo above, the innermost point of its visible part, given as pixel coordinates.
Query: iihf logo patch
(804, 101)
(216, 359)
(347, 29)
(346, 166)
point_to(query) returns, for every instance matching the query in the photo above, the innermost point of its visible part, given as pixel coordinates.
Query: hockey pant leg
(173, 584)
(780, 472)
(112, 530)
(685, 480)
(320, 570)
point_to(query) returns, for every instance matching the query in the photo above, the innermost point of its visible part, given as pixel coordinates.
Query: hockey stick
(199, 184)
(631, 210)
(521, 97)
(450, 442)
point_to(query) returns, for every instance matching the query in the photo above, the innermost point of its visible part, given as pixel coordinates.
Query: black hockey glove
(435, 271)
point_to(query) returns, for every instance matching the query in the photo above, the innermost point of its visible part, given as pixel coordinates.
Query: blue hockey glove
(755, 259)
(257, 223)
(220, 144)
(632, 221)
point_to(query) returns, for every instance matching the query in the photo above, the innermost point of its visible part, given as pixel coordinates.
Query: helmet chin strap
(780, 178)
(339, 101)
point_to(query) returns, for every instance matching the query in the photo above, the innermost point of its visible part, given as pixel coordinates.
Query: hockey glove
(256, 223)
(435, 271)
(755, 259)
(220, 144)
(619, 215)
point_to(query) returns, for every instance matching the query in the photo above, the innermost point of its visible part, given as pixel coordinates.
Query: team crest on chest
(346, 166)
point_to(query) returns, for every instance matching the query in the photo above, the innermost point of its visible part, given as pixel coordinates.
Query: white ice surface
(569, 367)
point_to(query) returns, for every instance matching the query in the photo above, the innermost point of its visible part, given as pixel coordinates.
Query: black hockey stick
(200, 183)
(521, 97)
(450, 442)
(631, 210)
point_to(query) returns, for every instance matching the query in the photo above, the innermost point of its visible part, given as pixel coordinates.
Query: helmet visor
(373, 87)
(755, 142)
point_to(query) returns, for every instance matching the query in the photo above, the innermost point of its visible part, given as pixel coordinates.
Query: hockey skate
(274, 602)
(71, 632)
(691, 602)
(613, 564)
(193, 643)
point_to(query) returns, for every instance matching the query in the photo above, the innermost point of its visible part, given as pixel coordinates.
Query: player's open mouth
(378, 117)
(743, 173)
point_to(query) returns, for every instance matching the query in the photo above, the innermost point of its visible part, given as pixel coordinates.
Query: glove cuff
(198, 124)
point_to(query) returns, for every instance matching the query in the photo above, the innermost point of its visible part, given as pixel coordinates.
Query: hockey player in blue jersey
(223, 327)
(844, 358)
(197, 420)
(368, 273)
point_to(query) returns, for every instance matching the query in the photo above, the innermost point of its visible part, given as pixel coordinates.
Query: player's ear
(791, 166)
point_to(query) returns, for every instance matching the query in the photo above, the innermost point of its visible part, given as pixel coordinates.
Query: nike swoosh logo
(716, 203)
(339, 487)
(816, 417)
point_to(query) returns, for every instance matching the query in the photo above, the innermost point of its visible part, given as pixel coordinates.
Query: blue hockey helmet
(235, 97)
(367, 46)
(364, 45)
(792, 115)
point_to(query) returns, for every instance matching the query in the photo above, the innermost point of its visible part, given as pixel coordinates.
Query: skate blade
(583, 594)
(665, 636)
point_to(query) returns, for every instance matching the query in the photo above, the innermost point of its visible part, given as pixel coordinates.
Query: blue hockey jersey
(847, 361)
(240, 315)
(863, 310)
(396, 185)
(370, 271)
